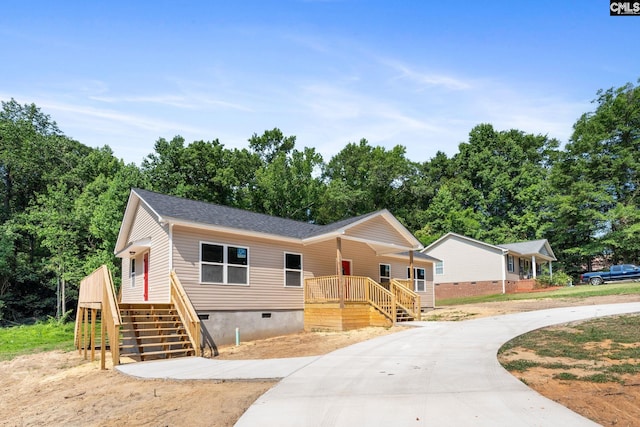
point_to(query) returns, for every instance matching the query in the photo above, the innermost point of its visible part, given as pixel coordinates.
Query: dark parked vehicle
(616, 272)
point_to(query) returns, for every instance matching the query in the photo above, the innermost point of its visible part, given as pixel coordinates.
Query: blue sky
(420, 74)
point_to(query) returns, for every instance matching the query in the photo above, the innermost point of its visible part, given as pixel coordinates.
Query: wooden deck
(351, 302)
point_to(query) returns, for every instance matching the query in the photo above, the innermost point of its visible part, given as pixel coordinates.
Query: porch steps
(402, 315)
(153, 331)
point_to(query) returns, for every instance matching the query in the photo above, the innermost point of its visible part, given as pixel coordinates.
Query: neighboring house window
(224, 264)
(511, 267)
(385, 273)
(133, 272)
(419, 281)
(292, 270)
(439, 268)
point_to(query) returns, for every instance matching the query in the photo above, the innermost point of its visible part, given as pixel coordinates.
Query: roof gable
(461, 238)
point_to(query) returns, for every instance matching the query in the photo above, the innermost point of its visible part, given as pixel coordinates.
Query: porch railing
(360, 289)
(406, 298)
(186, 311)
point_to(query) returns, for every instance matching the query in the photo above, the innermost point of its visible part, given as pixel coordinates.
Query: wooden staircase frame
(97, 296)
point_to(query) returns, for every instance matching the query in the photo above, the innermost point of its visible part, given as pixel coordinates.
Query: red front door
(346, 271)
(346, 268)
(145, 264)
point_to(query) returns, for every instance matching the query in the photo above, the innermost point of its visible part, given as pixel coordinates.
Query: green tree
(508, 172)
(286, 186)
(362, 179)
(597, 182)
(51, 219)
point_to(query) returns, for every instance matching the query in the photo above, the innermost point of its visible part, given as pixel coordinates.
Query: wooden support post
(339, 271)
(93, 334)
(86, 326)
(103, 341)
(79, 318)
(411, 273)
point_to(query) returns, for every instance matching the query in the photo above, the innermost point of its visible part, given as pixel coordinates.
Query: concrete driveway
(438, 374)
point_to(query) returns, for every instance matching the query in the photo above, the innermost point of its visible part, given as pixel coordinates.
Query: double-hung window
(439, 268)
(511, 267)
(224, 264)
(419, 279)
(292, 270)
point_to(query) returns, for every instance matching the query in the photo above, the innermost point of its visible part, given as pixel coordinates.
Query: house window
(133, 272)
(224, 264)
(292, 270)
(439, 268)
(419, 280)
(385, 273)
(511, 267)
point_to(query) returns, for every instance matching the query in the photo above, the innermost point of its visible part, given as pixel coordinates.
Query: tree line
(62, 202)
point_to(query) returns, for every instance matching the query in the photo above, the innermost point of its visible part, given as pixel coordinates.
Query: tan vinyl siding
(145, 226)
(266, 290)
(467, 261)
(377, 229)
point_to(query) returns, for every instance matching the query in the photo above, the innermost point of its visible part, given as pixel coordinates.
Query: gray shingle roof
(218, 215)
(528, 247)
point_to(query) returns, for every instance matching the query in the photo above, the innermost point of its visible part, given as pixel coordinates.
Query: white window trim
(301, 271)
(416, 280)
(511, 264)
(435, 269)
(225, 264)
(380, 277)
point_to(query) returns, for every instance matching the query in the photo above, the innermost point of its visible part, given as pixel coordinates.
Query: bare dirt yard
(61, 388)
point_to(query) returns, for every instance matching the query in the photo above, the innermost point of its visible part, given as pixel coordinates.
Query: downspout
(504, 271)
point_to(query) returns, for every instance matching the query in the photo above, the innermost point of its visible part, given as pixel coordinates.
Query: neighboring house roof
(177, 210)
(531, 247)
(527, 248)
(460, 237)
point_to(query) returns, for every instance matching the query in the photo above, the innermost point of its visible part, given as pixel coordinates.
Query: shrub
(559, 279)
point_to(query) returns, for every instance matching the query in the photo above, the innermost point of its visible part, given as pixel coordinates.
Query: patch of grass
(582, 291)
(601, 378)
(565, 376)
(520, 365)
(623, 369)
(28, 339)
(595, 340)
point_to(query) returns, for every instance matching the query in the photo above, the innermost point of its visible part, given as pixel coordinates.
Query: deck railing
(186, 311)
(406, 298)
(356, 289)
(97, 292)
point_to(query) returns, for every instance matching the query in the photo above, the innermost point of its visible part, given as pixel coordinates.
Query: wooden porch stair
(153, 331)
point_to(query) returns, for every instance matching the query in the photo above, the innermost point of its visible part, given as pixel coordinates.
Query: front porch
(342, 303)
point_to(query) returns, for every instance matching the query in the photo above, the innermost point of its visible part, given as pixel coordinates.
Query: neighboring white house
(472, 267)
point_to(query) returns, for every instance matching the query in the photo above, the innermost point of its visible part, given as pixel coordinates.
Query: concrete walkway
(439, 374)
(199, 368)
